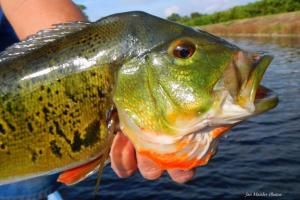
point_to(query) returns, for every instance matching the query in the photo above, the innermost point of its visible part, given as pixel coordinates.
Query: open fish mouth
(253, 96)
(265, 99)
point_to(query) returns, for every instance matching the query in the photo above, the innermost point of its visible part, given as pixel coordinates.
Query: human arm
(29, 16)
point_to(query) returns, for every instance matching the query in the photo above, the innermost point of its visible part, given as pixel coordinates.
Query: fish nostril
(256, 57)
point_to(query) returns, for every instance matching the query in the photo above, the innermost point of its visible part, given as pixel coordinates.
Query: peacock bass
(175, 90)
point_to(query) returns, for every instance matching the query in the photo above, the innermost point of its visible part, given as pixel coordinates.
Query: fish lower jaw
(265, 100)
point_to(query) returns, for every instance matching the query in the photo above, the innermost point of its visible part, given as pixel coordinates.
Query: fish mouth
(253, 96)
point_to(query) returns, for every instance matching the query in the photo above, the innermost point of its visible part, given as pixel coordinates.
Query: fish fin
(40, 39)
(77, 174)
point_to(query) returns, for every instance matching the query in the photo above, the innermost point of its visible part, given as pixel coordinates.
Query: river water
(258, 159)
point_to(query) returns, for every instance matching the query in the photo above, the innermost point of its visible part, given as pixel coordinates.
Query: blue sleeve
(7, 34)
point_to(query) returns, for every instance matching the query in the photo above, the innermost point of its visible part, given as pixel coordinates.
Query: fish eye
(184, 49)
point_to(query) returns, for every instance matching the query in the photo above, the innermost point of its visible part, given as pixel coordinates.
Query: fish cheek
(132, 94)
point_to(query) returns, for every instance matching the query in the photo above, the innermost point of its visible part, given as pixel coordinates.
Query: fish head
(178, 96)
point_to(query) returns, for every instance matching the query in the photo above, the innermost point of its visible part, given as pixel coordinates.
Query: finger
(181, 176)
(122, 155)
(148, 168)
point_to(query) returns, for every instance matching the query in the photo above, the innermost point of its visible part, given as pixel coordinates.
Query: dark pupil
(184, 52)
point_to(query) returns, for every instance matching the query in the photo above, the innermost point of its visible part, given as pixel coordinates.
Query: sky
(162, 8)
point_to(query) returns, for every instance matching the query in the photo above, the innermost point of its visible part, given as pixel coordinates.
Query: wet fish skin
(54, 100)
(55, 96)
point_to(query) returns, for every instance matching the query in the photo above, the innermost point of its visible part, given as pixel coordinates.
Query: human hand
(125, 161)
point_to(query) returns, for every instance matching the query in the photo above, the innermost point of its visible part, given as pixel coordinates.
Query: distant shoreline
(279, 25)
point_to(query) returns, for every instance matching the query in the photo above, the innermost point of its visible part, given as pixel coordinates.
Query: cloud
(172, 9)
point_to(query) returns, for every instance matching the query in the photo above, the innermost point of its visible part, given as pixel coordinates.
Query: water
(259, 157)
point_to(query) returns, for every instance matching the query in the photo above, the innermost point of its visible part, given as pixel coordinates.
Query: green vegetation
(259, 8)
(83, 8)
(283, 24)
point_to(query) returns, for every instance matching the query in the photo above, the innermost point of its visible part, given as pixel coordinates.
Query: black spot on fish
(37, 113)
(33, 156)
(50, 104)
(40, 152)
(8, 153)
(92, 134)
(60, 132)
(48, 90)
(2, 130)
(11, 127)
(56, 92)
(42, 87)
(40, 98)
(51, 130)
(101, 94)
(55, 149)
(65, 112)
(2, 146)
(77, 142)
(45, 111)
(29, 125)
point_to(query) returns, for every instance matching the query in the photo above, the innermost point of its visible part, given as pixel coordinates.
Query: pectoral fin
(77, 174)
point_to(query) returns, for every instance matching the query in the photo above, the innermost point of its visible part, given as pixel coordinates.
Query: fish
(173, 90)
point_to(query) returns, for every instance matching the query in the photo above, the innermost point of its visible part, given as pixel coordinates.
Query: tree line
(258, 8)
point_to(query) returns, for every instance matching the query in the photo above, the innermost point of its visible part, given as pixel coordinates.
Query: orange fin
(220, 131)
(77, 174)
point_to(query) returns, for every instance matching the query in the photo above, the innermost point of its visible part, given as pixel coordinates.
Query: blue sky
(163, 8)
